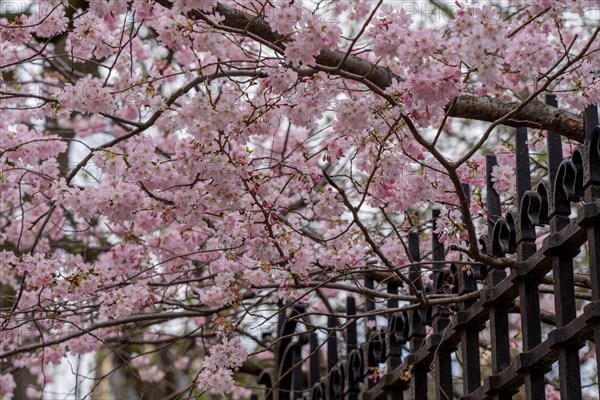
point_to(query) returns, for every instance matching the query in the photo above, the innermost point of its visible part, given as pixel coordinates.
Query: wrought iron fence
(434, 351)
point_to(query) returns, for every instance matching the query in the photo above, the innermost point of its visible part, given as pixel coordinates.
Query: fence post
(417, 322)
(564, 290)
(369, 300)
(469, 347)
(314, 360)
(470, 343)
(354, 353)
(440, 320)
(287, 351)
(395, 339)
(297, 374)
(369, 307)
(591, 185)
(442, 358)
(528, 286)
(498, 312)
(394, 348)
(332, 354)
(332, 359)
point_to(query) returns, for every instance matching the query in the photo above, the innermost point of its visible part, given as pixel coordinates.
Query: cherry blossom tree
(176, 173)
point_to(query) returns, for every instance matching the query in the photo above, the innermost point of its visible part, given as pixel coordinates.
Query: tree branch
(534, 115)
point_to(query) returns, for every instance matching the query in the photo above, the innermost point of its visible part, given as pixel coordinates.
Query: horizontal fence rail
(435, 351)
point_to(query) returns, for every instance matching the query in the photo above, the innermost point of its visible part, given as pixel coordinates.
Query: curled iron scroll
(356, 365)
(530, 211)
(592, 158)
(266, 378)
(508, 233)
(573, 176)
(376, 347)
(318, 393)
(336, 382)
(399, 327)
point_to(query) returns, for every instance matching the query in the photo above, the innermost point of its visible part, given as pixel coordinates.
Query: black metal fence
(434, 351)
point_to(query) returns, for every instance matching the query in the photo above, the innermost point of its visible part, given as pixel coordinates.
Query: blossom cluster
(217, 372)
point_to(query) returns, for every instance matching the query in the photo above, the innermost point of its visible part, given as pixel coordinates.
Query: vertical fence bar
(564, 302)
(394, 349)
(280, 348)
(591, 186)
(414, 273)
(369, 300)
(590, 117)
(332, 359)
(284, 387)
(394, 346)
(332, 353)
(564, 293)
(287, 351)
(297, 375)
(371, 364)
(470, 337)
(417, 323)
(498, 312)
(523, 173)
(314, 371)
(438, 252)
(352, 346)
(528, 287)
(469, 343)
(351, 334)
(442, 359)
(492, 198)
(470, 334)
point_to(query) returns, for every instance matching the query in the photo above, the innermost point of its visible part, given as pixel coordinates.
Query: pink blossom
(217, 376)
(214, 297)
(151, 374)
(88, 95)
(503, 177)
(219, 381)
(7, 386)
(552, 393)
(182, 363)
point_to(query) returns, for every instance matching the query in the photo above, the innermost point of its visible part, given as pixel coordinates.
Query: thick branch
(534, 115)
